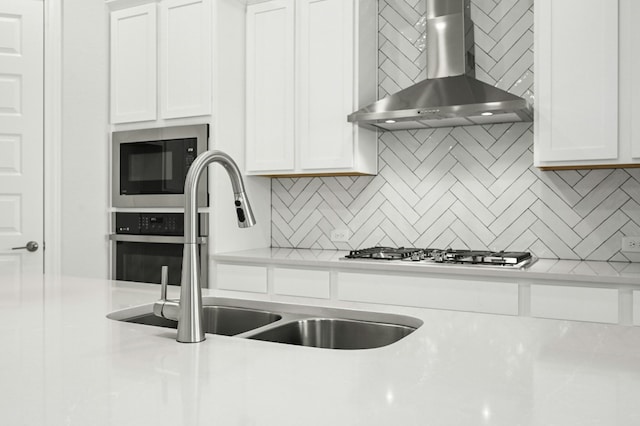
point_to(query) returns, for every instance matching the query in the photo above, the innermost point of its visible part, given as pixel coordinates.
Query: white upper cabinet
(185, 55)
(583, 73)
(325, 83)
(629, 82)
(310, 63)
(181, 33)
(270, 85)
(133, 64)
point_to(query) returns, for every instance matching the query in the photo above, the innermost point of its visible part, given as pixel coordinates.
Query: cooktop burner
(448, 256)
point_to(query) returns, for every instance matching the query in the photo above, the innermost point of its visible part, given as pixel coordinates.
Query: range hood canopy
(450, 96)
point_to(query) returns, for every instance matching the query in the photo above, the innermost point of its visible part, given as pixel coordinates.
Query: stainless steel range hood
(450, 96)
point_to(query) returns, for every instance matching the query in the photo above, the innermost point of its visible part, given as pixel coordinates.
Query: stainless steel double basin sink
(311, 326)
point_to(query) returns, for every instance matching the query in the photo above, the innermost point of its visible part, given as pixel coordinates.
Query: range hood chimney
(450, 96)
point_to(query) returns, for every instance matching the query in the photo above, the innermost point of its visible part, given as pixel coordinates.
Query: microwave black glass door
(155, 167)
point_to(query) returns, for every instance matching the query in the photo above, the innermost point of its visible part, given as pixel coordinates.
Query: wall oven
(150, 165)
(145, 242)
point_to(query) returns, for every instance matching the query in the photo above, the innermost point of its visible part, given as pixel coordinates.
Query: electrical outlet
(631, 244)
(340, 235)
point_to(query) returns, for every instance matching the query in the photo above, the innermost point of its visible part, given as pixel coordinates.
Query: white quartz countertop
(64, 363)
(584, 272)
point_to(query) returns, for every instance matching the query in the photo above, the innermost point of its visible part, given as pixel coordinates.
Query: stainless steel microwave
(150, 165)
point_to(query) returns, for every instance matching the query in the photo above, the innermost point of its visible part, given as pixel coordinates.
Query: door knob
(31, 246)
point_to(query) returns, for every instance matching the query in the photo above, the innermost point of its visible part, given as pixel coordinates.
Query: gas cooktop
(448, 256)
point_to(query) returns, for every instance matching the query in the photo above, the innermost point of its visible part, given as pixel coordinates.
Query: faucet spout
(242, 206)
(190, 329)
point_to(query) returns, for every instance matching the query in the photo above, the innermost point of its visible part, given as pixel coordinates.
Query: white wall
(84, 138)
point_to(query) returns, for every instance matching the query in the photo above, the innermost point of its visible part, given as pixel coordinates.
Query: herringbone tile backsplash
(472, 186)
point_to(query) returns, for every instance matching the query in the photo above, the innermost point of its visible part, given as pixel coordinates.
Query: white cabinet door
(185, 57)
(325, 83)
(247, 278)
(133, 64)
(575, 303)
(629, 84)
(302, 283)
(270, 86)
(576, 81)
(430, 292)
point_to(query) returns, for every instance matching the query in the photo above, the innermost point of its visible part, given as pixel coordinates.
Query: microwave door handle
(166, 239)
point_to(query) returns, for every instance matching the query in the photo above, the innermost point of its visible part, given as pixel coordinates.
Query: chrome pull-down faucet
(188, 311)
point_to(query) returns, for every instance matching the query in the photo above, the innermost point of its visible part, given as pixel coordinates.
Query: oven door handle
(166, 239)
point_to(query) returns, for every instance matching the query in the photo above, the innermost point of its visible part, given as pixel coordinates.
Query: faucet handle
(165, 308)
(164, 280)
(244, 213)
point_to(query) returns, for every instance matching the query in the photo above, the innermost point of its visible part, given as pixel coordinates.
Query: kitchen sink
(334, 333)
(310, 326)
(225, 320)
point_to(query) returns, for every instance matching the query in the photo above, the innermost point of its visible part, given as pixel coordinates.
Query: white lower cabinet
(310, 63)
(575, 303)
(301, 283)
(251, 279)
(636, 308)
(508, 296)
(430, 292)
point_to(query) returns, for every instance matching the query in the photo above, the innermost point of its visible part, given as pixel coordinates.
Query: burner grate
(382, 253)
(448, 256)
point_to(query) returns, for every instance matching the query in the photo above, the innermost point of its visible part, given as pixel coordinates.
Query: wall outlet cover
(340, 235)
(631, 244)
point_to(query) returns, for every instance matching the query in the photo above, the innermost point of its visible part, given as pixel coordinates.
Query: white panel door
(133, 64)
(21, 136)
(576, 80)
(270, 86)
(185, 57)
(325, 83)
